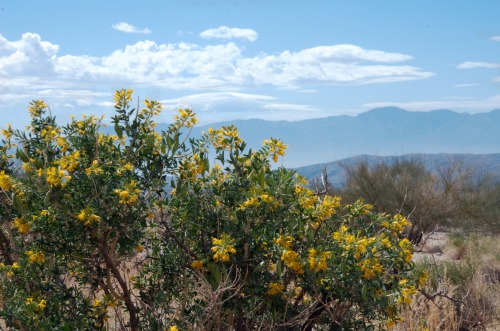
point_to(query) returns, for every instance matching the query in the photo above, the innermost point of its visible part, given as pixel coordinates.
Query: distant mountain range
(381, 132)
(481, 164)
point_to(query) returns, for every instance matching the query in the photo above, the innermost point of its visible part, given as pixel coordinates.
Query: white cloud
(466, 105)
(495, 38)
(224, 32)
(290, 107)
(128, 28)
(31, 68)
(228, 106)
(191, 66)
(473, 65)
(466, 85)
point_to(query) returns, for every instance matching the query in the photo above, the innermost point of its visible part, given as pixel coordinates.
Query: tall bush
(148, 228)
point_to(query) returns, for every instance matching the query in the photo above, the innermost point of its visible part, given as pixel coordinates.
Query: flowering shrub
(141, 226)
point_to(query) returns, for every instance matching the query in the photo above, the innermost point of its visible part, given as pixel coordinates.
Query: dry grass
(463, 289)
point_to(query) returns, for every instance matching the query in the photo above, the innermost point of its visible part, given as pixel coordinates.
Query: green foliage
(140, 226)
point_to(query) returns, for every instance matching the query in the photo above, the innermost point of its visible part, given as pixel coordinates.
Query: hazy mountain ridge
(481, 164)
(381, 131)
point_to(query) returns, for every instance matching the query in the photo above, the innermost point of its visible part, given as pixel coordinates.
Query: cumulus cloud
(474, 65)
(128, 28)
(224, 32)
(191, 66)
(33, 67)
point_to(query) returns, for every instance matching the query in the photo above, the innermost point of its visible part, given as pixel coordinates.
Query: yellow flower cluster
(56, 177)
(197, 265)
(250, 202)
(94, 168)
(317, 262)
(186, 117)
(7, 133)
(275, 147)
(88, 217)
(226, 137)
(153, 106)
(70, 162)
(284, 241)
(396, 224)
(192, 167)
(50, 133)
(326, 208)
(31, 302)
(22, 225)
(370, 267)
(36, 107)
(223, 247)
(275, 288)
(129, 195)
(123, 96)
(5, 182)
(406, 294)
(292, 260)
(36, 257)
(407, 249)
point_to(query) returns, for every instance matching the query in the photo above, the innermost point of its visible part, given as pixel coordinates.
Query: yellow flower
(129, 195)
(29, 301)
(275, 288)
(36, 257)
(122, 97)
(173, 328)
(42, 304)
(5, 182)
(292, 261)
(222, 248)
(422, 278)
(197, 265)
(87, 217)
(284, 241)
(22, 225)
(249, 203)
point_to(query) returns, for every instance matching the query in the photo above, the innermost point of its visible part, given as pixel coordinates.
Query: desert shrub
(405, 187)
(453, 197)
(148, 228)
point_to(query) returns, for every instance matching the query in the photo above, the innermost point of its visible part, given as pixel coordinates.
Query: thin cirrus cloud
(474, 65)
(224, 32)
(128, 28)
(495, 38)
(466, 85)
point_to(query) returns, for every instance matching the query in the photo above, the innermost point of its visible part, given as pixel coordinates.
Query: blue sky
(269, 59)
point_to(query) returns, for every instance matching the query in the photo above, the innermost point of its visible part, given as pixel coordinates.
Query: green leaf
(118, 130)
(17, 204)
(363, 293)
(262, 179)
(22, 156)
(259, 267)
(150, 142)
